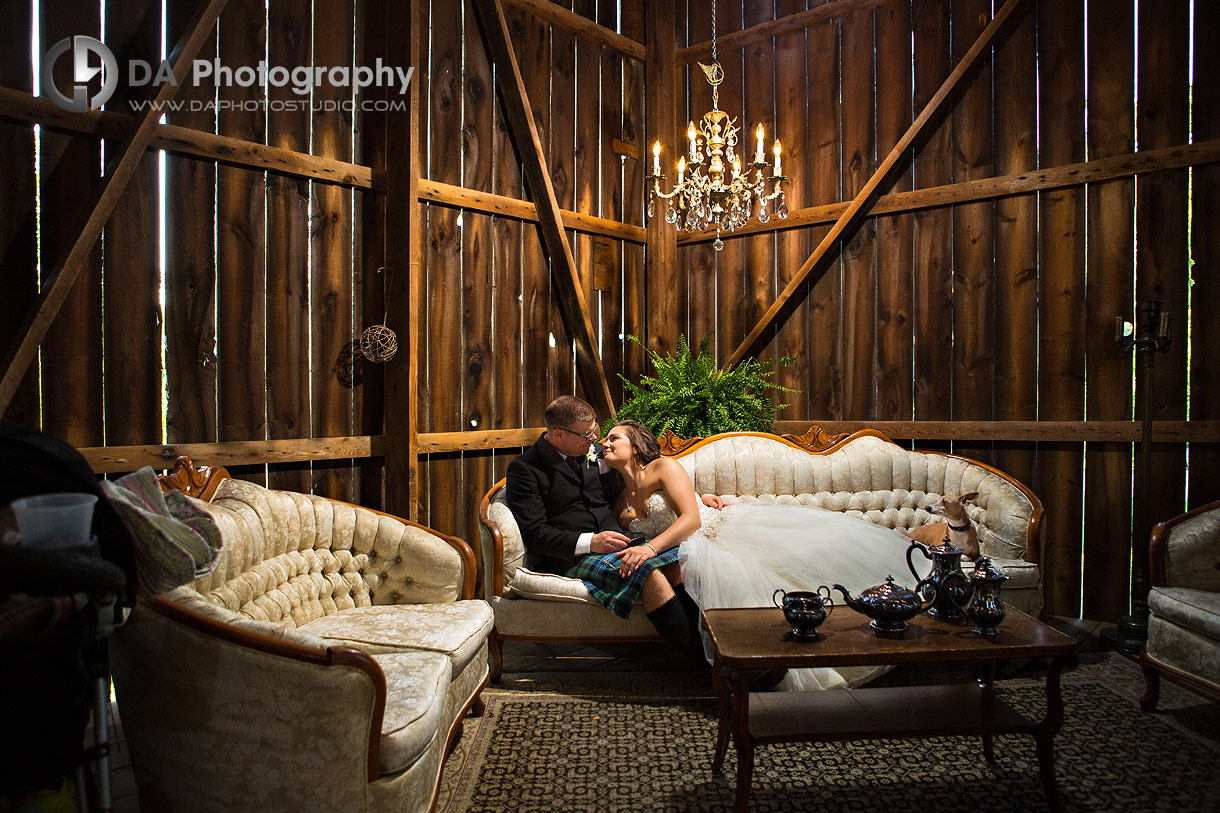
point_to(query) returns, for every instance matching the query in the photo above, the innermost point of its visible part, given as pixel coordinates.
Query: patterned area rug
(538, 751)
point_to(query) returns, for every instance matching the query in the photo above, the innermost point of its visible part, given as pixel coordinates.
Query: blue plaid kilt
(599, 572)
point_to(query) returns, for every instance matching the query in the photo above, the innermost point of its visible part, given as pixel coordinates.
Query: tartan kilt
(599, 572)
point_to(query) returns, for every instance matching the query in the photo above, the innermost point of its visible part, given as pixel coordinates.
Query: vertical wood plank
(288, 43)
(824, 389)
(1061, 306)
(478, 363)
(1205, 246)
(18, 235)
(241, 241)
(559, 139)
(1162, 270)
(1016, 245)
(758, 272)
(441, 407)
(190, 266)
(534, 57)
(792, 246)
(508, 271)
(586, 171)
(701, 263)
(859, 314)
(933, 283)
(894, 259)
(131, 260)
(630, 305)
(1107, 519)
(331, 245)
(70, 166)
(734, 295)
(973, 240)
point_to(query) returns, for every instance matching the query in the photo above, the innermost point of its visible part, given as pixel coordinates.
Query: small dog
(959, 530)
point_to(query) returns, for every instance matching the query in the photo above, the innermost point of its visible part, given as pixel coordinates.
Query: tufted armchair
(864, 474)
(1184, 604)
(325, 664)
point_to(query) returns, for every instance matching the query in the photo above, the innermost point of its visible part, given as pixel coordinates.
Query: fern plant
(689, 395)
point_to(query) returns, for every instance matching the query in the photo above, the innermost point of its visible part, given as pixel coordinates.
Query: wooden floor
(524, 662)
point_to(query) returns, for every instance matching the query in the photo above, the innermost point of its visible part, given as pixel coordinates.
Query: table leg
(723, 721)
(1047, 730)
(742, 739)
(987, 687)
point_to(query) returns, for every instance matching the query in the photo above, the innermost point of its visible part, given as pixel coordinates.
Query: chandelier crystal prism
(713, 191)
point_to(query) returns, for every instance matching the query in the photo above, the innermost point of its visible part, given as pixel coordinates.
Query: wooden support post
(860, 206)
(572, 302)
(127, 157)
(403, 246)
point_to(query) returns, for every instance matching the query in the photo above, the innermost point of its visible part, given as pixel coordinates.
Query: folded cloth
(174, 540)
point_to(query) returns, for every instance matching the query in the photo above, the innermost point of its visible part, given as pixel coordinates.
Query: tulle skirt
(740, 558)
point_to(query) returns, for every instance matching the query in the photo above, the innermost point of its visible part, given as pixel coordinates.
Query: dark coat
(554, 505)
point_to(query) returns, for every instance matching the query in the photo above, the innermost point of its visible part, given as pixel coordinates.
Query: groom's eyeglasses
(591, 435)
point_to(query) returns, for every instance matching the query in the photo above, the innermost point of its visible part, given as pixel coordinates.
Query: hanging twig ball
(378, 344)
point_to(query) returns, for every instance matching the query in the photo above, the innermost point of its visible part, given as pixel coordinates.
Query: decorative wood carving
(192, 480)
(816, 439)
(671, 444)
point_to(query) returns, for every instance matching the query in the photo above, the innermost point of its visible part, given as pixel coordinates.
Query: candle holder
(1151, 334)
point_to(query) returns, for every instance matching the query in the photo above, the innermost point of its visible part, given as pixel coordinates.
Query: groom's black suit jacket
(554, 505)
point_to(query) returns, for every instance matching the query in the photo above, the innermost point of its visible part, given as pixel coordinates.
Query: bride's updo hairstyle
(644, 446)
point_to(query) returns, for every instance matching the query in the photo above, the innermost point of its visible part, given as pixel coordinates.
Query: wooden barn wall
(990, 310)
(496, 348)
(257, 270)
(999, 309)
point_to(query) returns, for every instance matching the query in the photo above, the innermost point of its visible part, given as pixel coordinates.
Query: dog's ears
(971, 497)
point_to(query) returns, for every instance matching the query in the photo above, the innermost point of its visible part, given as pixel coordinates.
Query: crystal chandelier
(713, 190)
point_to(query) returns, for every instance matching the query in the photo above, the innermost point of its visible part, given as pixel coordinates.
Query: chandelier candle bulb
(681, 169)
(694, 148)
(656, 158)
(777, 151)
(758, 158)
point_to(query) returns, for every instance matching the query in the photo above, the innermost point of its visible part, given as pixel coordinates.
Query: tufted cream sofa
(863, 474)
(1184, 604)
(325, 664)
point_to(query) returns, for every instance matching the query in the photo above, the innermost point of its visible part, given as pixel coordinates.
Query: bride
(739, 556)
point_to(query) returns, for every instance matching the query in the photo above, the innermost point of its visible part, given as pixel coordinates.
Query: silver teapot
(947, 598)
(890, 605)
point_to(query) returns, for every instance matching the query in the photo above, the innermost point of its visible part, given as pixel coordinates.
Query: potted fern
(690, 396)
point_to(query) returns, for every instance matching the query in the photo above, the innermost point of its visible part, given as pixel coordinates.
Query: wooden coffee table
(759, 638)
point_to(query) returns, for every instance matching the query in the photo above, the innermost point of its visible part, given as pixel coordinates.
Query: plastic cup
(55, 520)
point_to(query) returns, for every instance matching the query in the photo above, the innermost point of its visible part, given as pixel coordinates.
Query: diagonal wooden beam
(578, 24)
(856, 213)
(130, 151)
(572, 303)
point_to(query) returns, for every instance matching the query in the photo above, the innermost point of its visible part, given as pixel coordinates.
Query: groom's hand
(608, 542)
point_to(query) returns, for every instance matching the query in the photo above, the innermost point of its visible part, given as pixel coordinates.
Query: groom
(561, 501)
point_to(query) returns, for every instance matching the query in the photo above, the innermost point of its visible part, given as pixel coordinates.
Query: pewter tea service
(982, 604)
(804, 610)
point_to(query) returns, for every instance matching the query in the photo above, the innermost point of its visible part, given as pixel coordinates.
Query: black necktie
(572, 464)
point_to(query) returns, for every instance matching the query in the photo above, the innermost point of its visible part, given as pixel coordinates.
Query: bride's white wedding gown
(745, 552)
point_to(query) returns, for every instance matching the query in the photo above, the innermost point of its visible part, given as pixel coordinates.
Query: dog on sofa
(957, 528)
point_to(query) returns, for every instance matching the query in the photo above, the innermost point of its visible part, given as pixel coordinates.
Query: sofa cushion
(416, 686)
(566, 621)
(456, 629)
(1197, 610)
(1193, 556)
(547, 587)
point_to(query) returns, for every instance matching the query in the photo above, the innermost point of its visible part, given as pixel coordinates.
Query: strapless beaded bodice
(662, 513)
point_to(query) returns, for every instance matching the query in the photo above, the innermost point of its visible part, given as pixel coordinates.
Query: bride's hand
(631, 559)
(712, 501)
